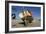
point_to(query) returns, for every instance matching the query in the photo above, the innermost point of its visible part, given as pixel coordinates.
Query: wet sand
(35, 23)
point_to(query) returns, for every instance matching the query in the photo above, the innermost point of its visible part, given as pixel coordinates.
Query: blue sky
(35, 10)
